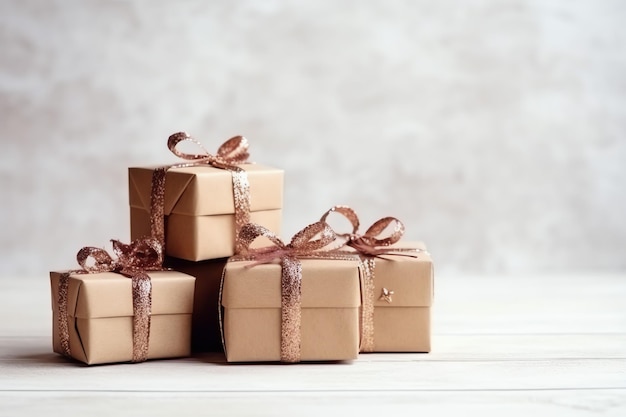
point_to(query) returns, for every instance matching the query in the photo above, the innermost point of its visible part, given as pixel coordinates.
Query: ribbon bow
(232, 152)
(369, 243)
(133, 261)
(303, 244)
(139, 255)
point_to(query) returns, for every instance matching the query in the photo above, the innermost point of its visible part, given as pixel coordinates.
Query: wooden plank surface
(554, 345)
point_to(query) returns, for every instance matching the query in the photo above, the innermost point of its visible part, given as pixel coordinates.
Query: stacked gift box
(206, 270)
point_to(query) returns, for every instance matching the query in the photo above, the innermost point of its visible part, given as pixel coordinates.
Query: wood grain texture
(554, 345)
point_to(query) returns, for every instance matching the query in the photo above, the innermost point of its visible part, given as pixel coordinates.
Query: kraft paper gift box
(100, 316)
(205, 325)
(330, 311)
(199, 206)
(403, 296)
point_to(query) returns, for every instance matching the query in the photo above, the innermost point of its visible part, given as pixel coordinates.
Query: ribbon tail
(367, 299)
(291, 310)
(142, 306)
(63, 321)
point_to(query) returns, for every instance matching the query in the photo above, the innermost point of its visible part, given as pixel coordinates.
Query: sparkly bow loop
(306, 242)
(141, 254)
(349, 214)
(144, 254)
(370, 236)
(94, 260)
(232, 152)
(370, 243)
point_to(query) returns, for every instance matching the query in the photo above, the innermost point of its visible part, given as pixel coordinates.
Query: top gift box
(199, 206)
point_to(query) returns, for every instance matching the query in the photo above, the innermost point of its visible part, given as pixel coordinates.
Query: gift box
(329, 310)
(199, 207)
(100, 316)
(205, 324)
(402, 295)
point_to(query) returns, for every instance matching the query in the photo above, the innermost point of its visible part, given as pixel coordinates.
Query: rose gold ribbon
(369, 243)
(303, 244)
(232, 152)
(370, 246)
(133, 261)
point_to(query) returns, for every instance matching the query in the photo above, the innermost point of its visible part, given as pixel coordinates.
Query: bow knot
(232, 152)
(304, 243)
(140, 255)
(369, 243)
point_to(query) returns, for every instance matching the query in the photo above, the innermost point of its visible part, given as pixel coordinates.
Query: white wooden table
(503, 346)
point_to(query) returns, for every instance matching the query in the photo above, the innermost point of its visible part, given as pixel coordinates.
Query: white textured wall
(494, 129)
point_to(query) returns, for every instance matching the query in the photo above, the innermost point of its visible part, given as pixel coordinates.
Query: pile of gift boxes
(207, 271)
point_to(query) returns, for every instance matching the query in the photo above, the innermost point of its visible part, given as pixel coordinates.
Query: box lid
(109, 294)
(325, 283)
(205, 190)
(411, 279)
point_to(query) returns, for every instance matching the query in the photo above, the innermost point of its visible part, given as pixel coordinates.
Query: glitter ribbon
(303, 244)
(370, 246)
(133, 261)
(232, 152)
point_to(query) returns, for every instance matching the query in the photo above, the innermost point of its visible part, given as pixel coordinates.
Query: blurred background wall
(494, 129)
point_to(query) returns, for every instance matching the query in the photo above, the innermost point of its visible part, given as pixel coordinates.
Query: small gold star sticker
(386, 295)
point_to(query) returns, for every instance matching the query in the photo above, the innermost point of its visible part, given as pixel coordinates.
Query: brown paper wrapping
(330, 311)
(404, 324)
(100, 310)
(199, 207)
(205, 325)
